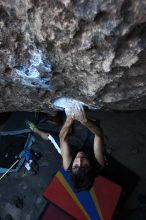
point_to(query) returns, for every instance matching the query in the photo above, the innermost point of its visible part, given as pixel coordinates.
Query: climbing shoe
(31, 125)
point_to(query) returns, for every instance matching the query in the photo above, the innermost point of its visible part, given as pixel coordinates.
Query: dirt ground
(125, 140)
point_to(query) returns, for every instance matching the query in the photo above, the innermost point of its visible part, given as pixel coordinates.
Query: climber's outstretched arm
(65, 148)
(44, 135)
(98, 140)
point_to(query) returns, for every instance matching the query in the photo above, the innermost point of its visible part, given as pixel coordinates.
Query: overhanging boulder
(92, 51)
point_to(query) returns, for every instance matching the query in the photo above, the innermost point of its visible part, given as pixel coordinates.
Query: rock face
(90, 50)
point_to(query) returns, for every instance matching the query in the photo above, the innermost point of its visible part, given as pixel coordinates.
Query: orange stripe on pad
(92, 193)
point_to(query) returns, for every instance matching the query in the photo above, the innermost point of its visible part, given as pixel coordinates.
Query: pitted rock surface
(93, 51)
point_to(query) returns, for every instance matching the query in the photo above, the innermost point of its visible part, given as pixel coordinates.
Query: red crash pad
(54, 213)
(97, 204)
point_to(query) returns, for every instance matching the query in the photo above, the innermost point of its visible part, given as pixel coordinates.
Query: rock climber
(85, 164)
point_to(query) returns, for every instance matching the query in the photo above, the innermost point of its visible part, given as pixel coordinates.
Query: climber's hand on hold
(81, 117)
(80, 113)
(69, 110)
(76, 112)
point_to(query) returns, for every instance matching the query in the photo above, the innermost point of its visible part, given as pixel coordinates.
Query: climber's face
(80, 161)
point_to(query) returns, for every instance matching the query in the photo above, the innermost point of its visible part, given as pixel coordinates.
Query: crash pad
(55, 213)
(97, 204)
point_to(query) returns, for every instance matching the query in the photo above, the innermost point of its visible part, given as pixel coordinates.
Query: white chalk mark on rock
(37, 72)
